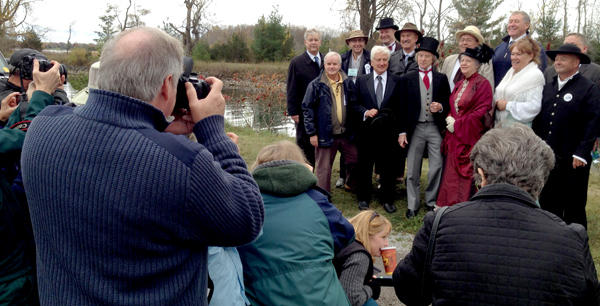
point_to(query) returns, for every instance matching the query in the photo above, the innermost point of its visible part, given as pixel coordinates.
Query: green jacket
(291, 263)
(18, 284)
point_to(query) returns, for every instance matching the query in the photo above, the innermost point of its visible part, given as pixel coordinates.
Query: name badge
(352, 72)
(568, 97)
(367, 68)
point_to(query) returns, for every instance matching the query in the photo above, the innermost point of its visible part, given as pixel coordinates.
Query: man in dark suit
(569, 123)
(403, 61)
(424, 108)
(302, 70)
(589, 71)
(376, 104)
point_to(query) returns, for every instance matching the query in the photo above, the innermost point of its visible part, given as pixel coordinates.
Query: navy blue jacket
(123, 212)
(318, 110)
(502, 63)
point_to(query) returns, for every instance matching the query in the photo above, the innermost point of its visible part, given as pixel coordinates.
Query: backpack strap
(430, 248)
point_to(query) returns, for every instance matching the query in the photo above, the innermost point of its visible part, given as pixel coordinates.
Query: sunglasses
(375, 214)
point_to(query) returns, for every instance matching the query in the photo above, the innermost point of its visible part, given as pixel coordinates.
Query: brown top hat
(386, 23)
(357, 34)
(569, 49)
(409, 26)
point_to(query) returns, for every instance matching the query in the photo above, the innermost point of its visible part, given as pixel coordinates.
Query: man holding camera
(123, 212)
(18, 284)
(21, 76)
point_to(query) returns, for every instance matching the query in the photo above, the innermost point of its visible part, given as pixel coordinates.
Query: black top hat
(429, 44)
(384, 121)
(482, 53)
(569, 49)
(387, 23)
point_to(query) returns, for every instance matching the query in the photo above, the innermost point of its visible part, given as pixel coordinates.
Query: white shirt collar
(408, 54)
(562, 83)
(511, 39)
(312, 56)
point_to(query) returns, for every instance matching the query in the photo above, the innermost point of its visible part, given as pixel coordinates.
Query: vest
(342, 256)
(426, 96)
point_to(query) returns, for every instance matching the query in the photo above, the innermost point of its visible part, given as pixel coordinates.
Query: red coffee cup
(389, 259)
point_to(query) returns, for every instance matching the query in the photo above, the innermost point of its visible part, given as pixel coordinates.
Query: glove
(450, 123)
(376, 288)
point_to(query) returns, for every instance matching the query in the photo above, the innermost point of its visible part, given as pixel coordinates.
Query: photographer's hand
(9, 104)
(213, 104)
(183, 123)
(46, 81)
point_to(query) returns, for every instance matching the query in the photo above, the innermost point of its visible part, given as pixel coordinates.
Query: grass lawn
(251, 142)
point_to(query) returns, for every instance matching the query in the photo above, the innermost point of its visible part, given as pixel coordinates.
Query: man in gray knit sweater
(122, 209)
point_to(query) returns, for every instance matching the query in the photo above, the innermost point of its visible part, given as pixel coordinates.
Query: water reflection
(243, 110)
(259, 116)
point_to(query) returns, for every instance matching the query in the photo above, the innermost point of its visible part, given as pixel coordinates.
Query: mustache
(406, 41)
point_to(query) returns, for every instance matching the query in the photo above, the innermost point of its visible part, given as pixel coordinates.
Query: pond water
(247, 113)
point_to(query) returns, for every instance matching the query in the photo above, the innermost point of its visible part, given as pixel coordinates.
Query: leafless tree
(195, 23)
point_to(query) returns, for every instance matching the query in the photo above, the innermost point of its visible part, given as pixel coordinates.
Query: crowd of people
(125, 200)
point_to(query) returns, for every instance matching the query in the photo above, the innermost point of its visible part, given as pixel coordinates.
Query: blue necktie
(317, 60)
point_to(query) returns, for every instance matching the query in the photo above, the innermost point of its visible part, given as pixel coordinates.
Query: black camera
(201, 86)
(45, 65)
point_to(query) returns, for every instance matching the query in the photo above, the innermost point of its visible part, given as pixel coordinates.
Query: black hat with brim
(569, 49)
(387, 23)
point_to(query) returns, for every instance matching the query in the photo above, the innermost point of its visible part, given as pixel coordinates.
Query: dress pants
(426, 134)
(565, 192)
(325, 156)
(378, 150)
(303, 141)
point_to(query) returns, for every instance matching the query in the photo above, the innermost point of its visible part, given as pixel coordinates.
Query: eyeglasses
(375, 214)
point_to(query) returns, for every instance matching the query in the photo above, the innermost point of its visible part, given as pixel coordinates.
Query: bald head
(136, 62)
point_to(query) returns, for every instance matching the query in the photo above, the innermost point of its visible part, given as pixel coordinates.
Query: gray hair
(526, 18)
(435, 58)
(380, 49)
(581, 37)
(313, 32)
(513, 155)
(333, 53)
(138, 69)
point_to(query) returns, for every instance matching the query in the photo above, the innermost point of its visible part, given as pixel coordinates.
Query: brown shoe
(348, 188)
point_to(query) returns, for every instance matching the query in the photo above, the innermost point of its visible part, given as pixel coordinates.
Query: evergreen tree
(236, 49)
(548, 26)
(108, 27)
(201, 51)
(272, 40)
(478, 13)
(31, 40)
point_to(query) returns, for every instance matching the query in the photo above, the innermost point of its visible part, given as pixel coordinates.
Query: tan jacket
(485, 70)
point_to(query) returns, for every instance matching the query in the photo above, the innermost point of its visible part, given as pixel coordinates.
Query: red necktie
(426, 77)
(390, 47)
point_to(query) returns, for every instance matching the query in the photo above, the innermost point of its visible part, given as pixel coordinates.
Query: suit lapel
(389, 88)
(371, 88)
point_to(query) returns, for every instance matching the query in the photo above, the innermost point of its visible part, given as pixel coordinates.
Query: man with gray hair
(518, 27)
(327, 122)
(302, 70)
(123, 210)
(500, 248)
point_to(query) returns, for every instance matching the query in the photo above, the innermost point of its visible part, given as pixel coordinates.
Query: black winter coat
(569, 119)
(500, 249)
